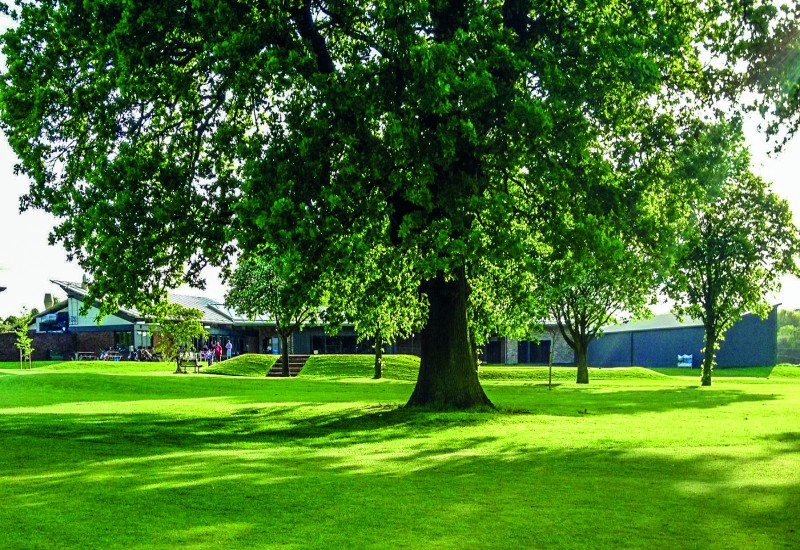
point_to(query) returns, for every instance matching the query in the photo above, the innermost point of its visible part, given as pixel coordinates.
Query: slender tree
(789, 336)
(739, 242)
(24, 342)
(197, 128)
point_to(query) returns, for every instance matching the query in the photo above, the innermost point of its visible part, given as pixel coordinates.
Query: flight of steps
(296, 363)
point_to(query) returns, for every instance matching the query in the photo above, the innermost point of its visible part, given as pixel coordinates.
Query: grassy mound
(249, 364)
(514, 372)
(406, 367)
(395, 367)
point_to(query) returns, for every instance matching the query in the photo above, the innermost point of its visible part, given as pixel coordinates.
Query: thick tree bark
(708, 360)
(582, 360)
(447, 375)
(284, 354)
(378, 355)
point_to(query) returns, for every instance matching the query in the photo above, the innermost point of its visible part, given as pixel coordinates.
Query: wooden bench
(85, 355)
(183, 365)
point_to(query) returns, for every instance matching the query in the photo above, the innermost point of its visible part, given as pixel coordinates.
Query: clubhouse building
(62, 330)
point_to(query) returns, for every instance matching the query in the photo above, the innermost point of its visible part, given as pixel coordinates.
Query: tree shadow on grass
(317, 427)
(475, 492)
(788, 442)
(253, 425)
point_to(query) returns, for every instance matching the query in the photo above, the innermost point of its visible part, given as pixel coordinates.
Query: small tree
(740, 240)
(24, 342)
(258, 288)
(593, 299)
(613, 234)
(176, 327)
(381, 306)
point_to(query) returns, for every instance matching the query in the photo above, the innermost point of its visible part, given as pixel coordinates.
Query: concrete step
(296, 364)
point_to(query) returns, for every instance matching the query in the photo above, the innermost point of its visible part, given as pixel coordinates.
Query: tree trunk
(447, 376)
(708, 360)
(284, 354)
(582, 359)
(378, 356)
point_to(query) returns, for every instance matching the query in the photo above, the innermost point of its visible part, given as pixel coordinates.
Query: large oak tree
(166, 134)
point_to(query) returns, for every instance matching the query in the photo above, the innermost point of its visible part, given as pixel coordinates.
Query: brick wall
(94, 341)
(65, 344)
(562, 353)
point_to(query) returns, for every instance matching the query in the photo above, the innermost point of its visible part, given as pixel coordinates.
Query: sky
(28, 263)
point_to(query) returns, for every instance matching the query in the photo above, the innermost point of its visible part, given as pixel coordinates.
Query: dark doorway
(533, 352)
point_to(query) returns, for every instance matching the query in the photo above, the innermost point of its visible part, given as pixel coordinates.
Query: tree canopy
(443, 130)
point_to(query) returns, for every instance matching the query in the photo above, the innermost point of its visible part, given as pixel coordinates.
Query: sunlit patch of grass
(35, 364)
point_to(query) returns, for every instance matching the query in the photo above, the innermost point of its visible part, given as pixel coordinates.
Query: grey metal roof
(658, 322)
(205, 305)
(213, 311)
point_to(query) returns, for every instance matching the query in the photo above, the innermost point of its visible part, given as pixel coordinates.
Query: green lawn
(101, 455)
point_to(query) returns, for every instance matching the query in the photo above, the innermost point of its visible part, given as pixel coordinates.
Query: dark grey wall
(660, 348)
(750, 342)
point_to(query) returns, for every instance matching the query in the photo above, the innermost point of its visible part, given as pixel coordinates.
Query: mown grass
(249, 364)
(105, 456)
(37, 364)
(406, 367)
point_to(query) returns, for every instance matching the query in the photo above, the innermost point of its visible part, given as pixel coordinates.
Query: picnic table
(85, 355)
(114, 356)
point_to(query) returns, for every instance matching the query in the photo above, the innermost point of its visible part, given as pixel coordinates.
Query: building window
(123, 340)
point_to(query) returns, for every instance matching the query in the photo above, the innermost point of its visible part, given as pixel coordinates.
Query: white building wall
(562, 353)
(90, 319)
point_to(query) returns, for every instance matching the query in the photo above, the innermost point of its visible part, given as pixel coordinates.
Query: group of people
(213, 351)
(140, 353)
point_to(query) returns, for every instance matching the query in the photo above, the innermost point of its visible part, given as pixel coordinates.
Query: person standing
(228, 349)
(218, 352)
